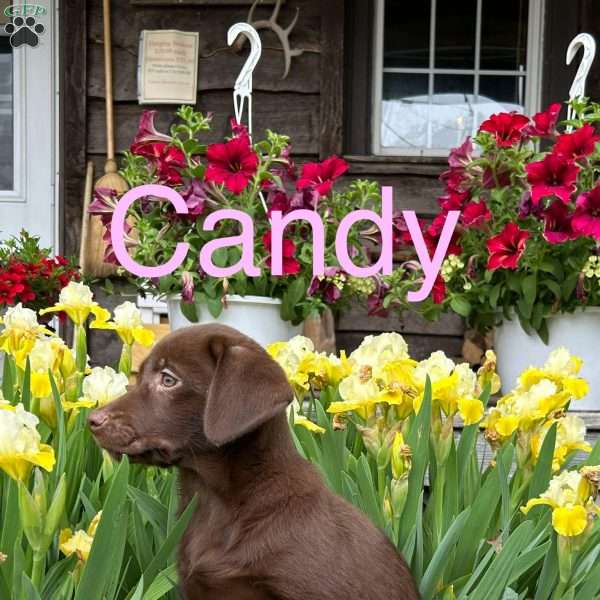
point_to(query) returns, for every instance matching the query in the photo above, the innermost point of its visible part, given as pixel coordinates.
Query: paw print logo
(24, 31)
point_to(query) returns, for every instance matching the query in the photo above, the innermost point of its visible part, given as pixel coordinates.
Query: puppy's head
(201, 388)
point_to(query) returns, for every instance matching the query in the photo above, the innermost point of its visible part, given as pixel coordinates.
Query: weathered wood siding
(311, 105)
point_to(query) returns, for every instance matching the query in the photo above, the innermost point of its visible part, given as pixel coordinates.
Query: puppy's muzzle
(110, 430)
(115, 435)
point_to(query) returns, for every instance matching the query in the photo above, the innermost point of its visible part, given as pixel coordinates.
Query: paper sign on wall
(168, 67)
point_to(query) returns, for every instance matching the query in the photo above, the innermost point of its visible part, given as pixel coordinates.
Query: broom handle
(85, 223)
(110, 128)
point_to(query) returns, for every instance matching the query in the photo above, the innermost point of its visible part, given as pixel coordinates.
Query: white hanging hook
(242, 89)
(588, 43)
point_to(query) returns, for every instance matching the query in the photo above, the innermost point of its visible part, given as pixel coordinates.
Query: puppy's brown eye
(167, 379)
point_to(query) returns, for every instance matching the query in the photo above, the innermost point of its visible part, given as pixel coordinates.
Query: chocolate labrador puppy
(210, 401)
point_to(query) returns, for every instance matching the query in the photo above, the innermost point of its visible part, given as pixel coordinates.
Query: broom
(111, 178)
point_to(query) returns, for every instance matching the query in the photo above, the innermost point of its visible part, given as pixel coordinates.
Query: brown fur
(266, 526)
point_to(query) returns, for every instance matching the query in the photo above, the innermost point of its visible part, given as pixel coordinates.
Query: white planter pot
(578, 332)
(256, 316)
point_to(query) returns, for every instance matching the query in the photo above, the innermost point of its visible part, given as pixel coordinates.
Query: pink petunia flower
(586, 220)
(146, 133)
(187, 290)
(507, 247)
(321, 176)
(194, 194)
(103, 204)
(461, 156)
(553, 176)
(325, 285)
(233, 164)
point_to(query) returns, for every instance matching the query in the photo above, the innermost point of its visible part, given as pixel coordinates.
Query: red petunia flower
(278, 200)
(558, 223)
(507, 247)
(321, 176)
(454, 200)
(544, 123)
(233, 163)
(432, 233)
(507, 128)
(578, 144)
(166, 159)
(290, 265)
(553, 176)
(586, 220)
(455, 179)
(238, 129)
(438, 292)
(475, 214)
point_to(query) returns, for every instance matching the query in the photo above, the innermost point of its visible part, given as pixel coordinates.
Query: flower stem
(381, 482)
(37, 570)
(358, 444)
(125, 360)
(438, 494)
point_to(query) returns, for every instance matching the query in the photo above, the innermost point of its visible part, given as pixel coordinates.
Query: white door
(28, 123)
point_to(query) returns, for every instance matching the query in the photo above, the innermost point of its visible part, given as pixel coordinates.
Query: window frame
(533, 72)
(17, 193)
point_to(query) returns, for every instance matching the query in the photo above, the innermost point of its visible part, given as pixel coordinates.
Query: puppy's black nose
(97, 418)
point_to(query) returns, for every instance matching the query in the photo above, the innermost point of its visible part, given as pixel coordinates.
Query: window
(6, 115)
(441, 68)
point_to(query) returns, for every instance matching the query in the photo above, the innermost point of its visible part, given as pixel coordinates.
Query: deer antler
(282, 33)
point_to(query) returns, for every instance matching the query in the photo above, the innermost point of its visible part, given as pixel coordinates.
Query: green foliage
(556, 270)
(480, 546)
(133, 552)
(270, 186)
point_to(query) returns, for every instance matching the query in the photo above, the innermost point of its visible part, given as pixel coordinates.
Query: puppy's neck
(231, 472)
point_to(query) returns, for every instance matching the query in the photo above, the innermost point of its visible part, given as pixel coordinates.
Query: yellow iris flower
(76, 299)
(571, 495)
(20, 447)
(570, 437)
(101, 386)
(308, 424)
(128, 324)
(80, 542)
(21, 329)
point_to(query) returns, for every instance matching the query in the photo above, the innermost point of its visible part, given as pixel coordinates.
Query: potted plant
(256, 177)
(525, 258)
(31, 276)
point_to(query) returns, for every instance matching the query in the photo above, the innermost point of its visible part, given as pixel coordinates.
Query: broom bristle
(111, 178)
(95, 265)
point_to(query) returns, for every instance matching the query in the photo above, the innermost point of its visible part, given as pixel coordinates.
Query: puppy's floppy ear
(247, 389)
